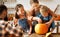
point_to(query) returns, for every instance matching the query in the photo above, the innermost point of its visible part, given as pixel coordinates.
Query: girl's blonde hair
(44, 8)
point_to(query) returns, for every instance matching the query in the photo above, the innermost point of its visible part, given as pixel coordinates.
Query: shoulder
(27, 12)
(43, 6)
(46, 7)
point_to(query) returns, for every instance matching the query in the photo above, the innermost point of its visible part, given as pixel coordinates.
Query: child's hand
(30, 18)
(29, 33)
(37, 19)
(48, 24)
(49, 33)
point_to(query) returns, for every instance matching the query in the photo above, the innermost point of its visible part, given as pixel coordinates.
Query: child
(3, 13)
(3, 19)
(45, 17)
(21, 18)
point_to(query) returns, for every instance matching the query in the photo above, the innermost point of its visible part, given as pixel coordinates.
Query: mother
(35, 12)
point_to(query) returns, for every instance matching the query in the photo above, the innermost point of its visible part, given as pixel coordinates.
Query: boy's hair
(16, 8)
(34, 1)
(44, 8)
(2, 8)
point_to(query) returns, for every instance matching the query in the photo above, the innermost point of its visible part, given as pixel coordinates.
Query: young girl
(3, 13)
(21, 18)
(45, 17)
(3, 19)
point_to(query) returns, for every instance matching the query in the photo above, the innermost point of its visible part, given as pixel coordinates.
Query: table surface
(36, 35)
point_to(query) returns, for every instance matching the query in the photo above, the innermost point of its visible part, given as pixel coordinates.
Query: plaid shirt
(6, 29)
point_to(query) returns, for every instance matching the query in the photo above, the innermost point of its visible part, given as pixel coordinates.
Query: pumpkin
(41, 28)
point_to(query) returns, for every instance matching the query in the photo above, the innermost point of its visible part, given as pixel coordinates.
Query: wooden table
(36, 35)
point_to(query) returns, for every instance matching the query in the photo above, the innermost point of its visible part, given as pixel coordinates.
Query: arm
(31, 18)
(15, 21)
(51, 12)
(53, 16)
(30, 24)
(37, 19)
(49, 23)
(29, 21)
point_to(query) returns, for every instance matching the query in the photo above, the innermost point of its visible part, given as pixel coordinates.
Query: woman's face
(21, 10)
(35, 6)
(3, 15)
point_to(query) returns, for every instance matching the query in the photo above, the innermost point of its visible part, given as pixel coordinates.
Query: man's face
(35, 6)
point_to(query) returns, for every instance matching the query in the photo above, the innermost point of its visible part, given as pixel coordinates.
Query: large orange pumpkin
(41, 28)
